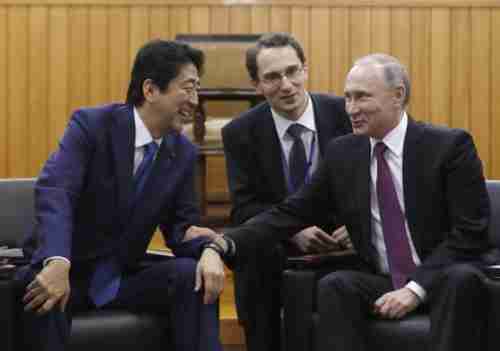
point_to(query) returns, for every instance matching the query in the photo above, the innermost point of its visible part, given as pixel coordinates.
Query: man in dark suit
(120, 171)
(414, 200)
(259, 156)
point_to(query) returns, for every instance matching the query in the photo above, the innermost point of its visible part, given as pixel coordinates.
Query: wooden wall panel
(4, 102)
(58, 97)
(420, 71)
(480, 85)
(118, 59)
(460, 68)
(17, 93)
(37, 92)
(495, 94)
(65, 54)
(440, 66)
(320, 58)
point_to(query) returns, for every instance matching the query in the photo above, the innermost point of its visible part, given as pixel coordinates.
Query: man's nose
(351, 108)
(193, 99)
(285, 82)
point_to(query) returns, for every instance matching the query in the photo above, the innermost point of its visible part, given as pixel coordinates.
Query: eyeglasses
(292, 73)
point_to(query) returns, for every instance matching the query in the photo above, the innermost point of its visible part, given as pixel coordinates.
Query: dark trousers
(258, 299)
(456, 305)
(164, 288)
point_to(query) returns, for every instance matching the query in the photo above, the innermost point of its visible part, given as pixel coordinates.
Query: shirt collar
(395, 139)
(142, 134)
(307, 119)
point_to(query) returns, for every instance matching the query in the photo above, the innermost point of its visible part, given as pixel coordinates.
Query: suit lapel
(123, 146)
(324, 124)
(270, 151)
(411, 166)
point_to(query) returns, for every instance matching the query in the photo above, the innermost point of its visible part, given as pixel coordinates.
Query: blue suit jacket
(84, 195)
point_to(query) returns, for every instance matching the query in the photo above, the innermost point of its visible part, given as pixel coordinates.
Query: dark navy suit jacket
(84, 196)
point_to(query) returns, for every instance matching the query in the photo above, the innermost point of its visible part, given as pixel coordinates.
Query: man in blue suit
(120, 171)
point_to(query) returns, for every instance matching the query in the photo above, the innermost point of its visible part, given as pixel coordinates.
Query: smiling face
(281, 78)
(373, 106)
(177, 102)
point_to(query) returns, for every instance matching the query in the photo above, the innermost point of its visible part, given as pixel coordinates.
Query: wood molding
(295, 3)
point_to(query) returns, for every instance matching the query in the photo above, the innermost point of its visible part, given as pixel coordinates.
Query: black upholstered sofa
(99, 330)
(410, 334)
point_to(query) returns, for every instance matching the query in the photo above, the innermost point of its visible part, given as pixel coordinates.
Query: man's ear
(149, 90)
(399, 95)
(306, 71)
(256, 85)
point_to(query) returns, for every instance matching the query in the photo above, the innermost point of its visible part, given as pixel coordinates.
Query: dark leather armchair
(98, 330)
(301, 319)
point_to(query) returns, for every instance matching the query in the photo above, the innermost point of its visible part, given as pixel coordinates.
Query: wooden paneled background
(58, 55)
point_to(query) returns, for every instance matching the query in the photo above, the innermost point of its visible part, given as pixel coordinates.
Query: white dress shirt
(308, 136)
(394, 141)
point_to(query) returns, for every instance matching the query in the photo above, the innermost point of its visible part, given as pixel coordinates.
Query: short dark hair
(271, 40)
(160, 61)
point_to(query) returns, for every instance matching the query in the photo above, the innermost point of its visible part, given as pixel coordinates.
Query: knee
(335, 283)
(463, 278)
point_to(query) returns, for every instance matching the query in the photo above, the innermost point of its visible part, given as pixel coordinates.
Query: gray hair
(395, 72)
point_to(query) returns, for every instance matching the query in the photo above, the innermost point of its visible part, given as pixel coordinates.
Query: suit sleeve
(183, 213)
(306, 207)
(57, 191)
(468, 210)
(242, 185)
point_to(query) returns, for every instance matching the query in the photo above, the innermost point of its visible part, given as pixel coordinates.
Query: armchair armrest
(493, 323)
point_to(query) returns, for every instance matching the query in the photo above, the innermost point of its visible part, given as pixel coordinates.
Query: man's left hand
(194, 232)
(396, 304)
(210, 275)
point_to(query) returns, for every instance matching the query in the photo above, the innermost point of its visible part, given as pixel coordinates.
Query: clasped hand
(49, 288)
(396, 304)
(315, 240)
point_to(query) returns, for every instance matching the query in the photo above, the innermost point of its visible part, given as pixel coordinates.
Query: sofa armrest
(493, 323)
(7, 314)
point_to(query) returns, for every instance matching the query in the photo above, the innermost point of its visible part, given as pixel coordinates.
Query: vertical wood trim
(17, 93)
(38, 108)
(495, 91)
(420, 70)
(401, 35)
(139, 29)
(99, 55)
(240, 19)
(300, 27)
(460, 68)
(319, 69)
(79, 57)
(280, 19)
(58, 73)
(381, 30)
(260, 19)
(480, 87)
(440, 66)
(179, 20)
(199, 19)
(4, 102)
(341, 60)
(119, 62)
(159, 16)
(219, 20)
(360, 23)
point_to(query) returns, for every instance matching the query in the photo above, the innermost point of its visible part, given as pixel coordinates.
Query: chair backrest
(16, 209)
(493, 187)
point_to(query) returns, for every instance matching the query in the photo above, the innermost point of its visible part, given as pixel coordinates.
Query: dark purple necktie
(297, 162)
(393, 224)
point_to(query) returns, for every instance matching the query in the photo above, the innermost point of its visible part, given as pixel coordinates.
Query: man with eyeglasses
(271, 150)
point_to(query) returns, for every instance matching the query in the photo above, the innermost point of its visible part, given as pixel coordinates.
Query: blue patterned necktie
(144, 169)
(297, 161)
(105, 282)
(399, 256)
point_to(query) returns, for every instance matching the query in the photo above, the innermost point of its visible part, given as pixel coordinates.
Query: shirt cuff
(417, 290)
(48, 259)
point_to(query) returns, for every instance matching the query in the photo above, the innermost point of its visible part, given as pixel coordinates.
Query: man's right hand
(314, 240)
(49, 288)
